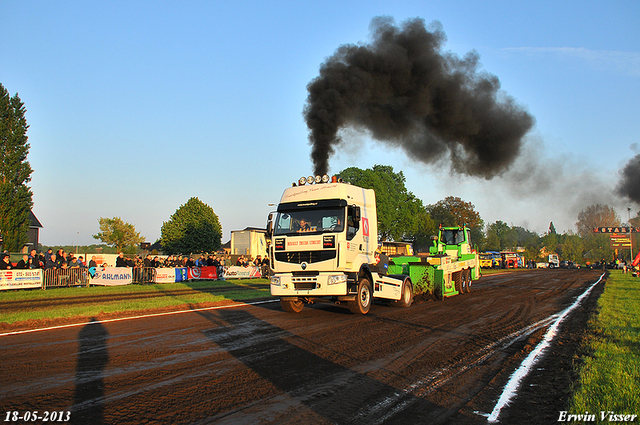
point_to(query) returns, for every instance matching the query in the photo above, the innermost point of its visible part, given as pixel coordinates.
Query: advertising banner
(182, 274)
(20, 279)
(209, 273)
(110, 276)
(165, 275)
(236, 272)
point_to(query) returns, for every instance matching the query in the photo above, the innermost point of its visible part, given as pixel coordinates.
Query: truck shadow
(92, 361)
(335, 392)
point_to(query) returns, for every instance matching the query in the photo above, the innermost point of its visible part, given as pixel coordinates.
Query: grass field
(609, 376)
(17, 306)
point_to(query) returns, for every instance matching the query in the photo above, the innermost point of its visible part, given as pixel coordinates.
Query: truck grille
(305, 280)
(298, 257)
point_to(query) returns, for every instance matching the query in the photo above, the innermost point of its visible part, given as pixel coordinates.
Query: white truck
(324, 242)
(324, 245)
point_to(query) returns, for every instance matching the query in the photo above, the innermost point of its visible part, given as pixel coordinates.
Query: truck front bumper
(320, 285)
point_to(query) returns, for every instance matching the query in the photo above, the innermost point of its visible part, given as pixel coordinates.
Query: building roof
(33, 220)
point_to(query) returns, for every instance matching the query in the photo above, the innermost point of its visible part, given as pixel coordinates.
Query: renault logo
(304, 266)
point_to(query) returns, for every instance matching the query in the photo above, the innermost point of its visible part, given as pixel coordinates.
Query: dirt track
(437, 362)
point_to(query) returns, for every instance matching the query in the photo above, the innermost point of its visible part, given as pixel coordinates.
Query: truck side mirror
(270, 225)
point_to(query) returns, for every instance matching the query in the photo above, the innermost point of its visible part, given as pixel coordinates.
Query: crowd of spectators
(63, 260)
(48, 260)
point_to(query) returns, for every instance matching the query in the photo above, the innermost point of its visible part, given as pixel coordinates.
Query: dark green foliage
(453, 211)
(15, 173)
(401, 216)
(193, 228)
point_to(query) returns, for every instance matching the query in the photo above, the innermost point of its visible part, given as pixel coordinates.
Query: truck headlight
(275, 280)
(337, 279)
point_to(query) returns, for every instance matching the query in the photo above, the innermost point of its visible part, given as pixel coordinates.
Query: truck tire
(364, 298)
(463, 281)
(457, 281)
(292, 306)
(407, 295)
(468, 280)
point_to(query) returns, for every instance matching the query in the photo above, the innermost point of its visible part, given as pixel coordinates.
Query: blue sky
(136, 106)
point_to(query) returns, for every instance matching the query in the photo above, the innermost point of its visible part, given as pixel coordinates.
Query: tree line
(404, 217)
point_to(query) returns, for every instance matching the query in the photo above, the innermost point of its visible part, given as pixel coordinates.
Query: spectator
(61, 261)
(120, 261)
(265, 269)
(51, 263)
(5, 263)
(61, 257)
(35, 261)
(23, 264)
(219, 269)
(47, 255)
(92, 262)
(148, 263)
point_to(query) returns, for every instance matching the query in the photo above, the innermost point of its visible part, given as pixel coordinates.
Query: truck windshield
(453, 237)
(310, 221)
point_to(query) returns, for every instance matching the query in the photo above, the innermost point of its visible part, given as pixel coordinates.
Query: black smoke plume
(405, 91)
(629, 184)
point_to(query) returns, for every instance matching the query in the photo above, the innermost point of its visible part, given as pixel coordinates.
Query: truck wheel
(457, 281)
(407, 295)
(364, 298)
(463, 283)
(291, 306)
(468, 279)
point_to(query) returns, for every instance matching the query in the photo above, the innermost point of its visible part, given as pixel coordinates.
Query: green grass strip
(609, 377)
(81, 302)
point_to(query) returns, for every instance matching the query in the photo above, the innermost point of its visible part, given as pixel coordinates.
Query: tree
(530, 241)
(15, 172)
(500, 236)
(401, 215)
(115, 232)
(194, 227)
(453, 211)
(572, 247)
(550, 242)
(597, 245)
(597, 215)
